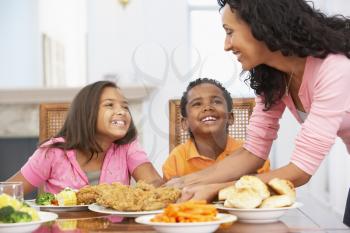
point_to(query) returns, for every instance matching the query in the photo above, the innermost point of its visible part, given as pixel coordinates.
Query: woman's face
(239, 39)
(114, 117)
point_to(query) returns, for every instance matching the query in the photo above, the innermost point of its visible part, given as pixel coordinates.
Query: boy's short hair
(199, 81)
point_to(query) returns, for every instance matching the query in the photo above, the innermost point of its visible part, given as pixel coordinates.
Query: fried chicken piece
(88, 194)
(141, 197)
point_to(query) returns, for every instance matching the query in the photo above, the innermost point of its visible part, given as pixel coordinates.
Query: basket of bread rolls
(250, 198)
(250, 192)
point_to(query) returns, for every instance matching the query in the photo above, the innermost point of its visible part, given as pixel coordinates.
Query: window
(207, 47)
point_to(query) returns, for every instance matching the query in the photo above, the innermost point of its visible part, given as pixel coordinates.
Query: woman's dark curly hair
(293, 27)
(198, 81)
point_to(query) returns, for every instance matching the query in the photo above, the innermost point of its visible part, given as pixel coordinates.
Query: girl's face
(239, 39)
(206, 111)
(114, 118)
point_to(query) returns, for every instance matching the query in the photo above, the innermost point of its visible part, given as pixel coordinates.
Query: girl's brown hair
(79, 129)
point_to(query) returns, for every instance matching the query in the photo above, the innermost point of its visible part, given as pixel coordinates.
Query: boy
(206, 108)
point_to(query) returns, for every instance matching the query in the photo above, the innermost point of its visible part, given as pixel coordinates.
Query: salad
(66, 197)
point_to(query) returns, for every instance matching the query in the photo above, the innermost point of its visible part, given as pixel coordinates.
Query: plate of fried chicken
(127, 201)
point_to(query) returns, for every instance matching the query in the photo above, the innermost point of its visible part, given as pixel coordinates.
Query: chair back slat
(52, 117)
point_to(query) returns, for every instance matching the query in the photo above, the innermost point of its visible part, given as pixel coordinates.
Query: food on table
(14, 211)
(45, 199)
(250, 192)
(190, 211)
(88, 194)
(277, 201)
(244, 198)
(254, 183)
(225, 193)
(7, 200)
(66, 197)
(141, 197)
(281, 186)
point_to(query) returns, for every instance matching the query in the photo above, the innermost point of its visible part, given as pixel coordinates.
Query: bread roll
(244, 198)
(283, 187)
(226, 192)
(254, 183)
(277, 201)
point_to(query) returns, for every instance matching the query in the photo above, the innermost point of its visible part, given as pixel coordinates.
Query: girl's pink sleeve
(37, 169)
(135, 156)
(330, 103)
(263, 127)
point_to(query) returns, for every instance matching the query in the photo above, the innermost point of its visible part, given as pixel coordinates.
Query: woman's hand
(202, 192)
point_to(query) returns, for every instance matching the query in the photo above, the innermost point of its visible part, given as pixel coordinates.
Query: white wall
(20, 53)
(135, 44)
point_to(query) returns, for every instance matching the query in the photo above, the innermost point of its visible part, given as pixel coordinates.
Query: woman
(296, 57)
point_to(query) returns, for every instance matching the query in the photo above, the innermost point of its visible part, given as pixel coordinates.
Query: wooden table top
(311, 218)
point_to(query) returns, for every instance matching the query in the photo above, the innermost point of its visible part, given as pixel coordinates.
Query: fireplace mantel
(62, 94)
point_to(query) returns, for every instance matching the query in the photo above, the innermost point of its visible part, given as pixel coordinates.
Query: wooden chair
(242, 109)
(52, 117)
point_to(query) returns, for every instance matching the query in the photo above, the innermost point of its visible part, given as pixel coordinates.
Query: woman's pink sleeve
(37, 169)
(331, 101)
(263, 127)
(135, 156)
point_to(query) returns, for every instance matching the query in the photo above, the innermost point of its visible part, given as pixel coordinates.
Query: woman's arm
(228, 169)
(289, 172)
(18, 177)
(209, 191)
(147, 173)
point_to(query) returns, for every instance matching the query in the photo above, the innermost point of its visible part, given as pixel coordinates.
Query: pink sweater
(325, 95)
(58, 170)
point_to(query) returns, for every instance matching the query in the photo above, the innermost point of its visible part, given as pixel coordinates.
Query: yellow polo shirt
(185, 159)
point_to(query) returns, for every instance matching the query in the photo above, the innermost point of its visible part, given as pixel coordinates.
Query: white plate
(258, 215)
(193, 227)
(23, 227)
(56, 208)
(130, 214)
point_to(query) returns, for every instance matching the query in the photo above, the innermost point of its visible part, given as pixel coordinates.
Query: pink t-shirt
(324, 93)
(57, 170)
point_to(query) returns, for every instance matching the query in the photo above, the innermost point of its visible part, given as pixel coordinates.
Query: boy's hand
(177, 182)
(200, 192)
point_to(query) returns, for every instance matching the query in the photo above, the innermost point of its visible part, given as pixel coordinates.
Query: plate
(22, 227)
(193, 227)
(131, 214)
(258, 215)
(56, 208)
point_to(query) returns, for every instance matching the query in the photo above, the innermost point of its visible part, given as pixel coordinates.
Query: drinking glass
(13, 189)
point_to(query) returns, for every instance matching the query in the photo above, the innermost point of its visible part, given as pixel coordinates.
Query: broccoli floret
(44, 198)
(9, 215)
(5, 214)
(19, 216)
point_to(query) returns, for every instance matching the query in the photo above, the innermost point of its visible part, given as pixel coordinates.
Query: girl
(97, 144)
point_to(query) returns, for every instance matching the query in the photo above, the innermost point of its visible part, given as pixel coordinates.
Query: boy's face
(207, 111)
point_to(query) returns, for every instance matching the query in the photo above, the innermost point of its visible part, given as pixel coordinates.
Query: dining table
(312, 217)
